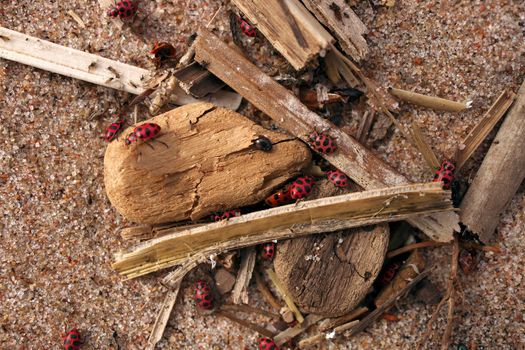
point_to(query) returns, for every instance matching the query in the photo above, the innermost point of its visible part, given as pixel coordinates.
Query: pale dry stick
(254, 327)
(163, 316)
(248, 309)
(293, 332)
(445, 340)
(244, 275)
(374, 315)
(305, 343)
(483, 128)
(329, 323)
(410, 247)
(76, 18)
(266, 293)
(436, 103)
(285, 295)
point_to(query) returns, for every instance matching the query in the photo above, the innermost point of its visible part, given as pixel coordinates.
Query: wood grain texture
(499, 176)
(355, 160)
(289, 27)
(329, 277)
(210, 165)
(344, 23)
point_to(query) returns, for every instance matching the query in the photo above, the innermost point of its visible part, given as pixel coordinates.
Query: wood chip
(244, 275)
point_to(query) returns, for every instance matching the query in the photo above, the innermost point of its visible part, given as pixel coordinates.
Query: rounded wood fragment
(330, 274)
(209, 165)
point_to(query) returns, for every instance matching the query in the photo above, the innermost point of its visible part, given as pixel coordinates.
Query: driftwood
(289, 27)
(244, 275)
(436, 103)
(289, 113)
(499, 176)
(344, 23)
(483, 128)
(209, 165)
(331, 274)
(308, 217)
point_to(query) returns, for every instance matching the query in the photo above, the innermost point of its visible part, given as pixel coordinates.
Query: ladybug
(246, 28)
(338, 178)
(301, 187)
(388, 273)
(163, 51)
(145, 132)
(279, 198)
(445, 177)
(267, 344)
(467, 260)
(72, 340)
(263, 143)
(112, 130)
(130, 138)
(448, 165)
(322, 143)
(268, 251)
(203, 295)
(226, 215)
(124, 9)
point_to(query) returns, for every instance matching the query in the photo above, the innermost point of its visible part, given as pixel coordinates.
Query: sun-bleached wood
(287, 111)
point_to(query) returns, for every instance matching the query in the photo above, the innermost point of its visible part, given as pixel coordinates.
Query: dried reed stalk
(436, 103)
(285, 295)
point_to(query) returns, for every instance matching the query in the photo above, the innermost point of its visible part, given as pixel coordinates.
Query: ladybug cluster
(267, 344)
(445, 174)
(203, 295)
(268, 251)
(246, 27)
(144, 132)
(163, 52)
(263, 143)
(388, 273)
(322, 143)
(301, 187)
(337, 177)
(226, 215)
(72, 340)
(113, 130)
(279, 198)
(124, 9)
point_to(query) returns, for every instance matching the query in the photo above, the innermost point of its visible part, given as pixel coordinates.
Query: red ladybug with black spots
(144, 132)
(279, 198)
(226, 215)
(301, 187)
(72, 340)
(163, 52)
(203, 295)
(268, 251)
(338, 178)
(113, 130)
(267, 344)
(124, 9)
(445, 177)
(246, 27)
(388, 273)
(322, 143)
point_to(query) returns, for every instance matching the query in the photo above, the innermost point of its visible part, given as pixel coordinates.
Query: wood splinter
(285, 295)
(240, 293)
(306, 343)
(432, 102)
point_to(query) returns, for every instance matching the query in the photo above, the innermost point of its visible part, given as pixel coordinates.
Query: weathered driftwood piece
(483, 128)
(197, 81)
(414, 265)
(293, 332)
(163, 317)
(339, 17)
(244, 275)
(499, 176)
(374, 315)
(288, 112)
(288, 25)
(424, 147)
(436, 103)
(330, 275)
(94, 69)
(308, 342)
(210, 165)
(285, 294)
(329, 323)
(308, 217)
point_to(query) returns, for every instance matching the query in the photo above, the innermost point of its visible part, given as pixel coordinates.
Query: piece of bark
(344, 23)
(210, 165)
(224, 281)
(476, 137)
(289, 27)
(188, 248)
(288, 112)
(197, 81)
(499, 176)
(244, 276)
(330, 275)
(414, 265)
